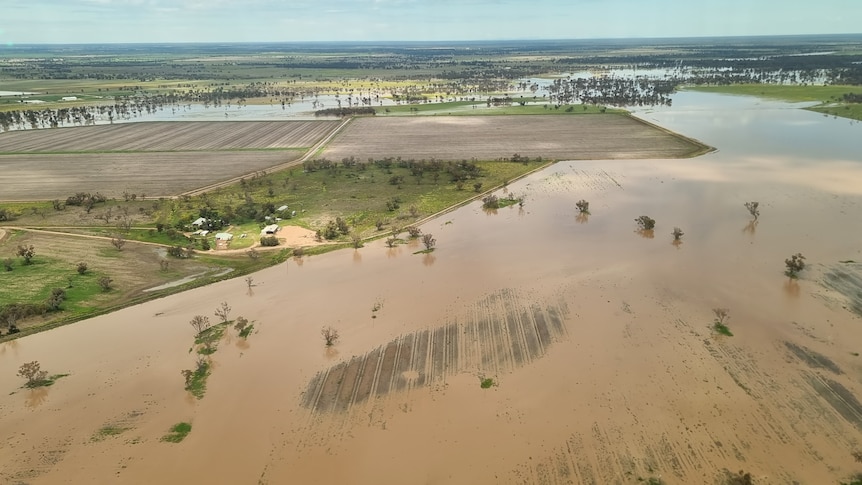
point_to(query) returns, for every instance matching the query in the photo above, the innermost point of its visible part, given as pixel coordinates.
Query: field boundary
(277, 168)
(702, 148)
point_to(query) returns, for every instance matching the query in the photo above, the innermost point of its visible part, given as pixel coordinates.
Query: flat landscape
(169, 136)
(57, 176)
(594, 136)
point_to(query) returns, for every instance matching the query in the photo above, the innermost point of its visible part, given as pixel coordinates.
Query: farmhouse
(270, 229)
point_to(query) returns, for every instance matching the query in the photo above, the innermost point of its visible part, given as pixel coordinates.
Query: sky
(132, 21)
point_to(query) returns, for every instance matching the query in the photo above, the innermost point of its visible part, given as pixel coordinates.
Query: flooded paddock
(598, 339)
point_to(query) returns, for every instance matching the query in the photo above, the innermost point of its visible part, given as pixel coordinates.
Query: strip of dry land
(169, 136)
(593, 137)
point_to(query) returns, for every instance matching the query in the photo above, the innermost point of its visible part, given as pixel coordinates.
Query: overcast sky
(108, 21)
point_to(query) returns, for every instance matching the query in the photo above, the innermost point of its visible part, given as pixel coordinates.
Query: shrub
(753, 209)
(26, 252)
(583, 206)
(269, 241)
(413, 231)
(81, 268)
(7, 264)
(33, 373)
(794, 264)
(330, 336)
(429, 241)
(491, 202)
(105, 283)
(677, 233)
(645, 223)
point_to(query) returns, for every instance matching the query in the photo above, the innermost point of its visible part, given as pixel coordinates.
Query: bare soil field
(590, 137)
(52, 176)
(169, 136)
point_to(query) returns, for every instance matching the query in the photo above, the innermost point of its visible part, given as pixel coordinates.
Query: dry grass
(491, 137)
(169, 136)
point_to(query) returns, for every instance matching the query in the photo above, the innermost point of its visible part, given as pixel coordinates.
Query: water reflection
(489, 211)
(298, 260)
(791, 288)
(582, 218)
(331, 353)
(36, 397)
(646, 233)
(393, 252)
(428, 259)
(751, 227)
(357, 257)
(677, 243)
(10, 346)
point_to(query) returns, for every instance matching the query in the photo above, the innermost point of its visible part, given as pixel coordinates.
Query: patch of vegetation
(178, 433)
(330, 336)
(721, 314)
(108, 431)
(794, 265)
(739, 478)
(246, 331)
(652, 481)
(36, 377)
(196, 380)
(486, 382)
(645, 223)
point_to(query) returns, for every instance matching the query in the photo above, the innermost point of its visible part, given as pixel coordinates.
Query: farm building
(270, 229)
(200, 221)
(224, 236)
(69, 98)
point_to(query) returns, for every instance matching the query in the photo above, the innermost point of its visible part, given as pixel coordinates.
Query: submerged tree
(645, 223)
(223, 312)
(200, 323)
(429, 241)
(33, 372)
(330, 335)
(677, 233)
(794, 264)
(583, 206)
(753, 209)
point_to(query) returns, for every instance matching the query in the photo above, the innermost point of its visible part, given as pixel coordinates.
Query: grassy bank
(829, 97)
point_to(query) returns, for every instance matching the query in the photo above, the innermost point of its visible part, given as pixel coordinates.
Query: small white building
(200, 221)
(69, 98)
(224, 236)
(270, 229)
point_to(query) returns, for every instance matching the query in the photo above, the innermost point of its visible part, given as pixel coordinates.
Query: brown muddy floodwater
(597, 339)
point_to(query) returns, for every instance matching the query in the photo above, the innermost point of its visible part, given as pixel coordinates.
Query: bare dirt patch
(170, 136)
(590, 137)
(45, 176)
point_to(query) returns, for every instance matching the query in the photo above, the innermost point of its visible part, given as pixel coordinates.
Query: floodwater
(597, 339)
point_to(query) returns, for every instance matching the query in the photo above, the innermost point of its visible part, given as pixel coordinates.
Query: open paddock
(169, 136)
(51, 176)
(589, 137)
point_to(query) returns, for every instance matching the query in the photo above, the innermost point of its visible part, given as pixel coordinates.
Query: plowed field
(45, 177)
(590, 137)
(169, 136)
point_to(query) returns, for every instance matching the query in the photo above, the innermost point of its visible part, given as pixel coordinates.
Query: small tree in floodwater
(356, 240)
(413, 231)
(391, 242)
(223, 312)
(33, 372)
(645, 223)
(677, 233)
(583, 206)
(721, 315)
(753, 209)
(794, 264)
(491, 202)
(330, 335)
(429, 241)
(200, 323)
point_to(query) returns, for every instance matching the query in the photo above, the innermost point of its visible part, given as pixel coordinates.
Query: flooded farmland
(598, 339)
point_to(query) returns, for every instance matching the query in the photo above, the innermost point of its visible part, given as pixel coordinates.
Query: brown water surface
(598, 341)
